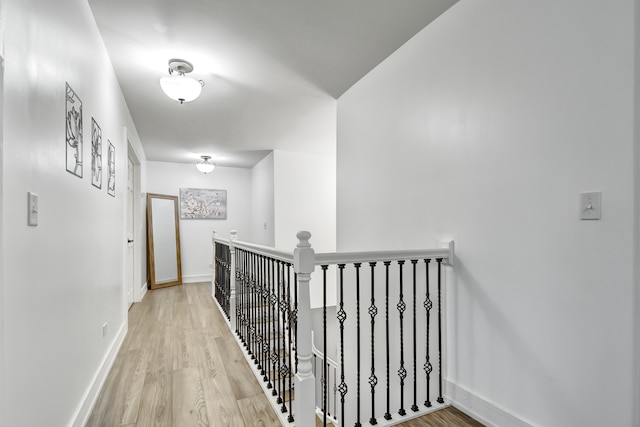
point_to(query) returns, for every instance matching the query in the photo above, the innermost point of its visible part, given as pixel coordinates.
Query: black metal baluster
(275, 353)
(255, 299)
(439, 399)
(243, 295)
(258, 292)
(269, 267)
(342, 316)
(278, 308)
(239, 293)
(373, 380)
(252, 326)
(289, 319)
(258, 311)
(357, 267)
(387, 415)
(414, 407)
(295, 316)
(260, 315)
(282, 360)
(325, 405)
(264, 295)
(402, 372)
(427, 306)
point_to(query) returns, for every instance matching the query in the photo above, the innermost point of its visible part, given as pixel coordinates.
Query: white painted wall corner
(483, 410)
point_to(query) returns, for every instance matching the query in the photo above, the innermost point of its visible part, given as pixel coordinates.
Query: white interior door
(130, 224)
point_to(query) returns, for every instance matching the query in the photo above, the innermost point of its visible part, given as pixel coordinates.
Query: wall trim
(197, 278)
(143, 290)
(91, 395)
(481, 409)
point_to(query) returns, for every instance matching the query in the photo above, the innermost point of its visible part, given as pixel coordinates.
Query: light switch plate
(32, 209)
(591, 205)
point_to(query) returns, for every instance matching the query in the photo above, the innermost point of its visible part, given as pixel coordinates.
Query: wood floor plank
(209, 360)
(185, 354)
(257, 412)
(133, 395)
(221, 404)
(108, 409)
(447, 417)
(156, 405)
(189, 407)
(243, 382)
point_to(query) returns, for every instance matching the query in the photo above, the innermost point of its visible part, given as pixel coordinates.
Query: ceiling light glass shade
(181, 88)
(205, 166)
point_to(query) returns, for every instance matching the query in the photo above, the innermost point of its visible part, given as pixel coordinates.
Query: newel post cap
(234, 235)
(303, 254)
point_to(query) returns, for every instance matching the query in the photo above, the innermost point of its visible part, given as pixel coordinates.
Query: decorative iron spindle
(264, 296)
(325, 405)
(243, 297)
(278, 313)
(270, 310)
(357, 267)
(294, 316)
(439, 399)
(427, 306)
(275, 353)
(402, 372)
(387, 415)
(240, 291)
(259, 335)
(289, 315)
(342, 316)
(414, 407)
(254, 304)
(373, 380)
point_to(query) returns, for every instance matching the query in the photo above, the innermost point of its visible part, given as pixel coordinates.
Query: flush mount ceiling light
(205, 165)
(177, 85)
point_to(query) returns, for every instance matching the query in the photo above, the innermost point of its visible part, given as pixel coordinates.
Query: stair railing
(267, 304)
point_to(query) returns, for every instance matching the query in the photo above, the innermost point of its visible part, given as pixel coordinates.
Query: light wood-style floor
(180, 366)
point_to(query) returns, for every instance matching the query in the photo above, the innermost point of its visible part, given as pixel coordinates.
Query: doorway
(133, 279)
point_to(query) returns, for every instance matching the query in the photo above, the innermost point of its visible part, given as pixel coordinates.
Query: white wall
(486, 127)
(305, 199)
(195, 234)
(262, 203)
(64, 278)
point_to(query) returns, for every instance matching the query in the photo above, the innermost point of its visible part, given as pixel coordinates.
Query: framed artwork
(74, 132)
(200, 203)
(111, 165)
(96, 154)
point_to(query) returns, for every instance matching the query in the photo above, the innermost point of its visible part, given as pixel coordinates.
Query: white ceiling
(272, 68)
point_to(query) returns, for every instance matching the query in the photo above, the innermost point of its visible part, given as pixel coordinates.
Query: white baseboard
(91, 395)
(482, 409)
(197, 278)
(143, 290)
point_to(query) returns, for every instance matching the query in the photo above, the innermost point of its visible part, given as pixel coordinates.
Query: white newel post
(304, 405)
(213, 265)
(232, 281)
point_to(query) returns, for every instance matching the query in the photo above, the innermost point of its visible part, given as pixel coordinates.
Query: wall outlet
(104, 329)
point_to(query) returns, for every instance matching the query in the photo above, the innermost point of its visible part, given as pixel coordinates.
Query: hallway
(180, 366)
